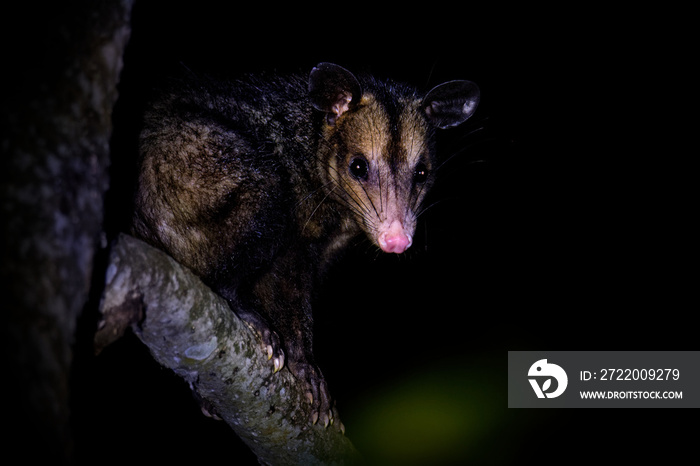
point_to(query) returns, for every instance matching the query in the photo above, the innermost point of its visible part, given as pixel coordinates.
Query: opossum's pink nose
(395, 239)
(397, 243)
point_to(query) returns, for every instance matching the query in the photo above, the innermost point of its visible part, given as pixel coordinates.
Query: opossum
(256, 184)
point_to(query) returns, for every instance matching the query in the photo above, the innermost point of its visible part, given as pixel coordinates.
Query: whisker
(381, 201)
(370, 199)
(361, 206)
(349, 191)
(379, 177)
(423, 210)
(347, 188)
(311, 194)
(464, 148)
(316, 208)
(358, 208)
(352, 208)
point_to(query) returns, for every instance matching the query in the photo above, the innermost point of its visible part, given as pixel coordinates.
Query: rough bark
(56, 122)
(192, 331)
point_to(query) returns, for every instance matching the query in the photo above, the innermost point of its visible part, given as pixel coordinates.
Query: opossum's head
(378, 153)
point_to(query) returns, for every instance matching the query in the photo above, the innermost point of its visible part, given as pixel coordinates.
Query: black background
(560, 222)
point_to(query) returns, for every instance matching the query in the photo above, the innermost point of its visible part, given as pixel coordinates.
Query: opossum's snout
(392, 226)
(394, 238)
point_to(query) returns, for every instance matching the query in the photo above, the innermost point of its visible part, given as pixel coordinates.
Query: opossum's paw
(317, 394)
(273, 348)
(270, 340)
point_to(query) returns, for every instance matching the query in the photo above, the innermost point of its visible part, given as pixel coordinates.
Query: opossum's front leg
(301, 363)
(298, 357)
(270, 339)
(303, 367)
(285, 294)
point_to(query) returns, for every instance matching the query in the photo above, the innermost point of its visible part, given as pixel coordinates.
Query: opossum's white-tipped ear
(333, 89)
(451, 103)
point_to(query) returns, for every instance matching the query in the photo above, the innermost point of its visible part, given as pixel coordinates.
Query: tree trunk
(65, 60)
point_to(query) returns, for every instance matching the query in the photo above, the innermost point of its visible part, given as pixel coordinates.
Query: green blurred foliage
(450, 413)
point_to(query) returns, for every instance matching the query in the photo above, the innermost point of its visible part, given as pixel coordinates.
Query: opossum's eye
(359, 168)
(421, 173)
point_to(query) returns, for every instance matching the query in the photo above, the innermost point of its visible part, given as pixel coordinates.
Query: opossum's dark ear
(333, 89)
(451, 103)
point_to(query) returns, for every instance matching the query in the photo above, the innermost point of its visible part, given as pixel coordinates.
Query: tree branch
(192, 331)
